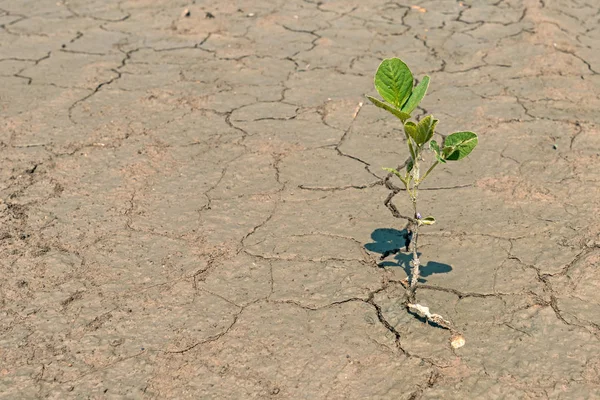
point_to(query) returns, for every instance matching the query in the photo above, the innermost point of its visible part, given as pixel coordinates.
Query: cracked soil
(192, 200)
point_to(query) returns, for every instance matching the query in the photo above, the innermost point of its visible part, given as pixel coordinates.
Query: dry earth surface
(192, 202)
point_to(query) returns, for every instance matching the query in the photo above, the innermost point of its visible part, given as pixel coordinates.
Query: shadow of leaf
(388, 239)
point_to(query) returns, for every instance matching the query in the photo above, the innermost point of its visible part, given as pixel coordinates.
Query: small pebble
(186, 13)
(209, 15)
(554, 146)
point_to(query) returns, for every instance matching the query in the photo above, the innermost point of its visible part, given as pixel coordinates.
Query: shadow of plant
(387, 239)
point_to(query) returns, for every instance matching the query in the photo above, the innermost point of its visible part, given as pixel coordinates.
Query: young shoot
(394, 82)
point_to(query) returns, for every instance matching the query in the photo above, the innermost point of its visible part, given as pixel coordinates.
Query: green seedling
(394, 82)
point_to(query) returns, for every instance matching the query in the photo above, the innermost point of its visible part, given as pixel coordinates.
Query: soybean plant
(395, 83)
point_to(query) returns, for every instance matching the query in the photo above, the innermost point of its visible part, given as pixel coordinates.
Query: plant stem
(428, 171)
(411, 149)
(416, 263)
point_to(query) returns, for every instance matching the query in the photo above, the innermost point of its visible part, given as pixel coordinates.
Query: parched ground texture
(192, 202)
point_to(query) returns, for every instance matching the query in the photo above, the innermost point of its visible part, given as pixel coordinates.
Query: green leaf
(458, 145)
(426, 128)
(436, 149)
(401, 115)
(422, 132)
(416, 96)
(410, 128)
(394, 81)
(409, 165)
(428, 221)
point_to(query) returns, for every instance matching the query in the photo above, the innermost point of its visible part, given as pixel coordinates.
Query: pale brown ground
(186, 201)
